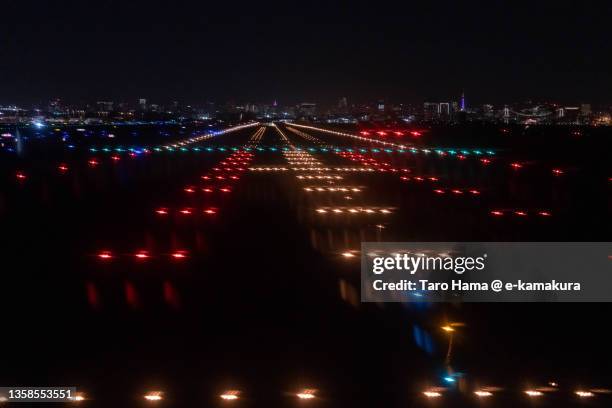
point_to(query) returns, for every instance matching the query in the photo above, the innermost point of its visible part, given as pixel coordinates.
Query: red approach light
(497, 213)
(207, 190)
(205, 177)
(62, 168)
(234, 177)
(364, 133)
(457, 191)
(557, 172)
(179, 255)
(115, 158)
(186, 211)
(20, 176)
(439, 191)
(461, 157)
(520, 213)
(516, 165)
(210, 211)
(415, 133)
(418, 178)
(189, 190)
(405, 178)
(544, 213)
(142, 255)
(105, 255)
(485, 161)
(433, 178)
(399, 133)
(475, 192)
(162, 211)
(93, 162)
(225, 189)
(381, 133)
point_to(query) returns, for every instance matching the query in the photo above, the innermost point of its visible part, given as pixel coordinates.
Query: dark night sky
(293, 51)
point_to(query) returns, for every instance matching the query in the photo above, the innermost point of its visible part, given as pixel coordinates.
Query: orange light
(306, 394)
(154, 396)
(230, 395)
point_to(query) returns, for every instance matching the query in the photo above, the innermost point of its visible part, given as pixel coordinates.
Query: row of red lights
(392, 132)
(369, 161)
(63, 168)
(518, 213)
(208, 189)
(419, 178)
(163, 211)
(457, 191)
(142, 255)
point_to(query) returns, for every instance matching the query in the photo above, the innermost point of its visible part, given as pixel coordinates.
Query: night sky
(258, 51)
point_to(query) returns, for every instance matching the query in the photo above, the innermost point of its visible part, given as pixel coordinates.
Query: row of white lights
(365, 139)
(354, 210)
(208, 136)
(532, 393)
(337, 189)
(341, 169)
